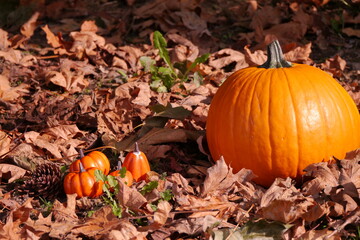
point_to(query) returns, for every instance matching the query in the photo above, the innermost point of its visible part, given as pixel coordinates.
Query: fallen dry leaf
(29, 27)
(283, 202)
(8, 93)
(221, 179)
(227, 56)
(65, 212)
(70, 81)
(160, 217)
(130, 197)
(11, 172)
(52, 39)
(4, 41)
(5, 141)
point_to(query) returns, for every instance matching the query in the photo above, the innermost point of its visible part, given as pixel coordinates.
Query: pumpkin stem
(275, 57)
(81, 152)
(119, 165)
(82, 169)
(136, 148)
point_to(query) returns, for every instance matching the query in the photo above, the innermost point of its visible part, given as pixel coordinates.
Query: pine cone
(45, 182)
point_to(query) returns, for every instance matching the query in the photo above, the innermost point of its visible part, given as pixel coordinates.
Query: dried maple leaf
(36, 228)
(11, 229)
(17, 216)
(65, 212)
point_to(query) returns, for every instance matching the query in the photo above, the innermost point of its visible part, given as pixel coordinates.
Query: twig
(16, 139)
(237, 225)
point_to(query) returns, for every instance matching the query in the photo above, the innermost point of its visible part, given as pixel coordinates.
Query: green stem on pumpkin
(275, 57)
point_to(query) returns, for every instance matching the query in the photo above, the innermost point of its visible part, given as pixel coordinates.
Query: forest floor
(91, 75)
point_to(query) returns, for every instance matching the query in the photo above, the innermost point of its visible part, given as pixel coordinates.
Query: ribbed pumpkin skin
(84, 184)
(277, 121)
(94, 159)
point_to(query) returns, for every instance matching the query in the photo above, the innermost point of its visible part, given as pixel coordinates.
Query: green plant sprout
(163, 78)
(110, 183)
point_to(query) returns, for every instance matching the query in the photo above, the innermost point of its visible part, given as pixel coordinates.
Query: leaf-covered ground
(89, 75)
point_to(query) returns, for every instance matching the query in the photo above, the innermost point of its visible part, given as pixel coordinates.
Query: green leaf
(160, 44)
(203, 58)
(147, 188)
(198, 79)
(100, 176)
(166, 195)
(167, 76)
(111, 180)
(147, 63)
(117, 210)
(153, 207)
(122, 172)
(90, 213)
(162, 89)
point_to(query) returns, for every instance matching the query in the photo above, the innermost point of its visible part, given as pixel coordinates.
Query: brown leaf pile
(71, 78)
(222, 198)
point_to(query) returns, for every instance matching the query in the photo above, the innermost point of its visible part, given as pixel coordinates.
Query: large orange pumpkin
(278, 118)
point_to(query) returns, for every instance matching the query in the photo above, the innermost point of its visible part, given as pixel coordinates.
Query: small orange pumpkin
(127, 179)
(94, 159)
(137, 163)
(83, 183)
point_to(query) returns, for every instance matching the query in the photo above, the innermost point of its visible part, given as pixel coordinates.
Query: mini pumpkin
(83, 183)
(277, 118)
(137, 163)
(125, 176)
(94, 159)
